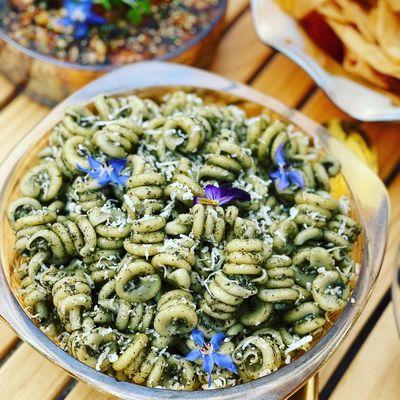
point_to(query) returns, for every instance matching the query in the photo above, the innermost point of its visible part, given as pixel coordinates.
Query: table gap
(392, 175)
(67, 390)
(18, 90)
(311, 92)
(10, 352)
(232, 21)
(260, 68)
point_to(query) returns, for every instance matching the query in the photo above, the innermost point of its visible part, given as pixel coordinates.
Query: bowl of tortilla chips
(351, 48)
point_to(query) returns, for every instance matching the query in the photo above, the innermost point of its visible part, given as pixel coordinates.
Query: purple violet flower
(208, 352)
(80, 16)
(110, 173)
(217, 196)
(285, 176)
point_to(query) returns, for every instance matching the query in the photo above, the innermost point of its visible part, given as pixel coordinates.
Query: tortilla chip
(359, 17)
(372, 18)
(348, 12)
(300, 8)
(360, 68)
(333, 11)
(394, 5)
(371, 53)
(387, 30)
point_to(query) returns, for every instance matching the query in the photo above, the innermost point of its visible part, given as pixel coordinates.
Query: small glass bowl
(369, 195)
(280, 31)
(49, 80)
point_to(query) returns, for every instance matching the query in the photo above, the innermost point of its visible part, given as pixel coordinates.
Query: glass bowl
(368, 192)
(50, 80)
(279, 30)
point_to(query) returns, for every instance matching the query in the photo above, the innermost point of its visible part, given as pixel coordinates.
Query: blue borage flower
(109, 173)
(208, 352)
(80, 16)
(217, 196)
(285, 176)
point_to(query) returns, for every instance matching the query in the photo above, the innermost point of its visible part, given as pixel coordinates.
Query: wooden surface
(367, 365)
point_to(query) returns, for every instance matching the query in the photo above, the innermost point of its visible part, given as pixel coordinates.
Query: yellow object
(352, 134)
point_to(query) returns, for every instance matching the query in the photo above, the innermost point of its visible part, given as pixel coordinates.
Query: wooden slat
(382, 285)
(85, 392)
(284, 80)
(27, 375)
(15, 120)
(319, 108)
(374, 373)
(240, 53)
(385, 137)
(235, 8)
(7, 339)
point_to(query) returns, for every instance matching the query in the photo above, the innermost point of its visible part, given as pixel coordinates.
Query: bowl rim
(221, 11)
(371, 202)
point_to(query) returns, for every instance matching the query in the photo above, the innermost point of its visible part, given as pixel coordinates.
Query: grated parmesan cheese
(299, 344)
(102, 358)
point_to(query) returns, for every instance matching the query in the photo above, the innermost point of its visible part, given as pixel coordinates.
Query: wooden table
(367, 365)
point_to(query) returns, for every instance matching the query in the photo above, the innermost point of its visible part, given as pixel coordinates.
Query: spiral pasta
(280, 283)
(235, 282)
(259, 355)
(43, 182)
(88, 343)
(212, 224)
(71, 295)
(226, 159)
(35, 295)
(129, 315)
(117, 138)
(176, 313)
(111, 108)
(143, 363)
(145, 189)
(147, 222)
(77, 121)
(146, 237)
(176, 261)
(184, 133)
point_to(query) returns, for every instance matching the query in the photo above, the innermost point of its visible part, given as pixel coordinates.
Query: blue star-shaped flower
(285, 176)
(109, 173)
(80, 16)
(208, 352)
(217, 196)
